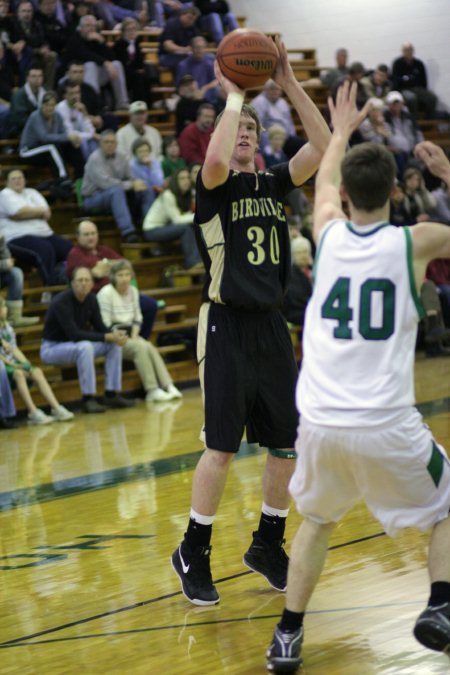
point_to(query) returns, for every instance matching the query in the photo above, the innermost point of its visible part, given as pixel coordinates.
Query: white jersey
(360, 327)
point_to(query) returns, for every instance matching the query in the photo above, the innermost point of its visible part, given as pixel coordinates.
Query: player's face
(247, 140)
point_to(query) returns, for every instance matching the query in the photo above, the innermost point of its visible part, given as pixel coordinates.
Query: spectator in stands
(419, 202)
(107, 182)
(119, 306)
(7, 83)
(377, 84)
(75, 333)
(194, 138)
(200, 65)
(300, 286)
(355, 74)
(127, 50)
(404, 133)
(145, 167)
(137, 127)
(45, 140)
(272, 108)
(29, 32)
(56, 34)
(398, 213)
(11, 277)
(171, 217)
(331, 76)
(6, 29)
(76, 118)
(190, 100)
(25, 100)
(375, 128)
(87, 252)
(215, 17)
(89, 97)
(24, 216)
(171, 160)
(442, 198)
(409, 76)
(101, 68)
(7, 408)
(175, 40)
(439, 272)
(435, 332)
(20, 372)
(273, 152)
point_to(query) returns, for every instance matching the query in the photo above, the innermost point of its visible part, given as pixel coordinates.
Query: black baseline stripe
(143, 603)
(212, 622)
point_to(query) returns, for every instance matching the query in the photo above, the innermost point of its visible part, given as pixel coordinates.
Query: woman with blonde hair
(119, 307)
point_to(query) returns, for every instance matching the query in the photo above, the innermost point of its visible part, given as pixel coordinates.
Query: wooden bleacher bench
(146, 249)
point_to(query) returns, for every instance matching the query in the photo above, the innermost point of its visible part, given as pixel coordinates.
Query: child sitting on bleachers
(20, 372)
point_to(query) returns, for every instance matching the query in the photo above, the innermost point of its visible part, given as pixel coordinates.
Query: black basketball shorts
(248, 375)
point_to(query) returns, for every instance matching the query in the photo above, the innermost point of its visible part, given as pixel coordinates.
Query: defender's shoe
(283, 655)
(193, 568)
(268, 559)
(432, 628)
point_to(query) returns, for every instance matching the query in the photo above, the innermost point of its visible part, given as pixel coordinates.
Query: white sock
(201, 520)
(270, 511)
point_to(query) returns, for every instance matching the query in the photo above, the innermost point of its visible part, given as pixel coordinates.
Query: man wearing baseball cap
(404, 132)
(137, 127)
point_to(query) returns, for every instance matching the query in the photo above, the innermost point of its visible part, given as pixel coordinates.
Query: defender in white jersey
(359, 433)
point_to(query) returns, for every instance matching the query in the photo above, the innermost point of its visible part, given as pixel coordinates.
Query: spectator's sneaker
(174, 392)
(39, 417)
(158, 395)
(432, 628)
(283, 655)
(118, 401)
(193, 568)
(91, 406)
(61, 414)
(268, 559)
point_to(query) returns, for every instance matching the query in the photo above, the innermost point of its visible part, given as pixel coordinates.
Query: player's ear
(343, 193)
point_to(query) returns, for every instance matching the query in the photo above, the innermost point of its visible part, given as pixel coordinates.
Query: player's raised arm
(307, 159)
(431, 240)
(345, 117)
(217, 162)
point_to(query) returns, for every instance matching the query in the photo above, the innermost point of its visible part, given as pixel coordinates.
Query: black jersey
(243, 238)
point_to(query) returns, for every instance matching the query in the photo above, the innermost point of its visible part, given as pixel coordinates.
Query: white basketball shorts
(400, 472)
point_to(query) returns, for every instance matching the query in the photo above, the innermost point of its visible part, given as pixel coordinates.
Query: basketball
(247, 57)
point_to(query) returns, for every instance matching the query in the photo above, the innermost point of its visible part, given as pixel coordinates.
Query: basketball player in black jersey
(245, 354)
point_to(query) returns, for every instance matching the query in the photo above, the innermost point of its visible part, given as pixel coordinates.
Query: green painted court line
(143, 471)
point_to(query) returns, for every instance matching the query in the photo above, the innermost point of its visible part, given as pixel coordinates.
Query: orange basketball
(247, 57)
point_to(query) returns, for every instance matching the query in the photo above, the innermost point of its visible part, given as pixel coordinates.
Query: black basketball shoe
(194, 571)
(432, 628)
(268, 559)
(283, 655)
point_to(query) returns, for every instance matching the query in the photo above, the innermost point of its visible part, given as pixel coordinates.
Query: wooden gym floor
(91, 510)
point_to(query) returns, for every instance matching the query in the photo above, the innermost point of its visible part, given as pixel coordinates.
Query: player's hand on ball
(224, 82)
(283, 72)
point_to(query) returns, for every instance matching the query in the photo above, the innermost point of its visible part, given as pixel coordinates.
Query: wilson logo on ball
(257, 64)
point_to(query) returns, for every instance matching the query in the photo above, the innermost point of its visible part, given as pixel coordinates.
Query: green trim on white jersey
(412, 280)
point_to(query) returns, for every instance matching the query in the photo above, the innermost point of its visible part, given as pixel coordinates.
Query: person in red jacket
(194, 139)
